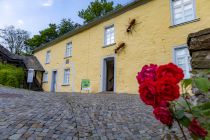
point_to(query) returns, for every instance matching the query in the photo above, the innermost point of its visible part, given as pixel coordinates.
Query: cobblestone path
(33, 115)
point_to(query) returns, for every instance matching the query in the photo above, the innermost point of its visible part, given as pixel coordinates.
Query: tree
(66, 25)
(14, 39)
(96, 9)
(51, 33)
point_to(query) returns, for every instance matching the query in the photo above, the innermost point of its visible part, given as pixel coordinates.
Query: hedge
(11, 76)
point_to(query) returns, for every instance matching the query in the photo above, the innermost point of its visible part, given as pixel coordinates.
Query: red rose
(163, 115)
(196, 129)
(170, 70)
(168, 89)
(161, 103)
(147, 92)
(147, 72)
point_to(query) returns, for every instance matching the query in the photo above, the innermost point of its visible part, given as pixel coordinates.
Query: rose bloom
(163, 115)
(147, 72)
(170, 70)
(168, 89)
(196, 129)
(147, 92)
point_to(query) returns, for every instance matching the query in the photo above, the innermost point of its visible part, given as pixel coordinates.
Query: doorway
(108, 81)
(53, 83)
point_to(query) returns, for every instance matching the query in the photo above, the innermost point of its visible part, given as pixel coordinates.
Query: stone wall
(199, 46)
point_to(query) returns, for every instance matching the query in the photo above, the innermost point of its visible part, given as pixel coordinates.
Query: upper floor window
(68, 50)
(45, 77)
(109, 35)
(66, 76)
(47, 61)
(182, 59)
(183, 11)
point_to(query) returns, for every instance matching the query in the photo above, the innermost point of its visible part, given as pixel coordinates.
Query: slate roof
(30, 62)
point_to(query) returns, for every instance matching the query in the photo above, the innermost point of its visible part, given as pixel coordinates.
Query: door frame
(104, 70)
(51, 88)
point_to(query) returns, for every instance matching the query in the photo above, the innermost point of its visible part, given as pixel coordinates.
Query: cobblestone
(48, 116)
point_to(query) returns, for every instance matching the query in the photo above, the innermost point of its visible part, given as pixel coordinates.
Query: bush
(11, 76)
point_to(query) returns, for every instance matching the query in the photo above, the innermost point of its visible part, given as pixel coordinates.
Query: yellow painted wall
(153, 42)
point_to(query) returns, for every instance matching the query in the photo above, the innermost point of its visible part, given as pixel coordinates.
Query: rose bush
(158, 87)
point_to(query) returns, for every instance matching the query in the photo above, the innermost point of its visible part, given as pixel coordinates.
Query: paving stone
(72, 116)
(15, 136)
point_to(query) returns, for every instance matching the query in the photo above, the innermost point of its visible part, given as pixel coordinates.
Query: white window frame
(172, 12)
(66, 78)
(186, 76)
(45, 77)
(105, 35)
(47, 59)
(68, 51)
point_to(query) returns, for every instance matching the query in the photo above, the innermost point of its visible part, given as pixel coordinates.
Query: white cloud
(20, 22)
(47, 3)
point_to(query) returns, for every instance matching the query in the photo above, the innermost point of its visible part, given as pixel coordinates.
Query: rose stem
(179, 124)
(181, 129)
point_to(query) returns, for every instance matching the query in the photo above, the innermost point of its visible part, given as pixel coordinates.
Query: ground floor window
(66, 76)
(182, 59)
(45, 77)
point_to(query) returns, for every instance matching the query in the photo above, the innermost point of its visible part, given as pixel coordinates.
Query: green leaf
(186, 82)
(179, 114)
(202, 84)
(185, 121)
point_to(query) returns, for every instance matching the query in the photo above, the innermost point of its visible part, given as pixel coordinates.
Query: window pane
(177, 2)
(182, 60)
(183, 11)
(109, 35)
(66, 76)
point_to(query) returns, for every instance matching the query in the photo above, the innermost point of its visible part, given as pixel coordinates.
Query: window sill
(45, 82)
(65, 85)
(66, 57)
(47, 63)
(109, 45)
(184, 23)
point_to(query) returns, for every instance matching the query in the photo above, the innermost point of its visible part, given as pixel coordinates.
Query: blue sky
(34, 15)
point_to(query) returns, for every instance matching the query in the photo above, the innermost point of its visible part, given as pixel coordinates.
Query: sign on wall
(30, 76)
(85, 85)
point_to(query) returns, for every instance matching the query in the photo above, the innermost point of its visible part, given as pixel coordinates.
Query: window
(68, 49)
(48, 57)
(66, 76)
(182, 59)
(183, 11)
(109, 35)
(45, 77)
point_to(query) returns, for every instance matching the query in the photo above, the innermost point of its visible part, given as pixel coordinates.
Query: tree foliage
(96, 9)
(51, 32)
(14, 39)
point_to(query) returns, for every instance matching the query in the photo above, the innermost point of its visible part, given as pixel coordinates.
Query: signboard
(85, 85)
(30, 76)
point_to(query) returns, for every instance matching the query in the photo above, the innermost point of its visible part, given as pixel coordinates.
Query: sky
(35, 15)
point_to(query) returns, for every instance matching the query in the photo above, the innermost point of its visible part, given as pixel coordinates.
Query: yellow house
(158, 35)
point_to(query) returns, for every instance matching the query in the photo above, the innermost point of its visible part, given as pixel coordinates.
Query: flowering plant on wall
(159, 87)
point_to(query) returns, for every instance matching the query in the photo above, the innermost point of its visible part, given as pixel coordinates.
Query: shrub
(11, 76)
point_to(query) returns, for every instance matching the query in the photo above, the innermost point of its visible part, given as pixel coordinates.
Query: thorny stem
(180, 125)
(181, 129)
